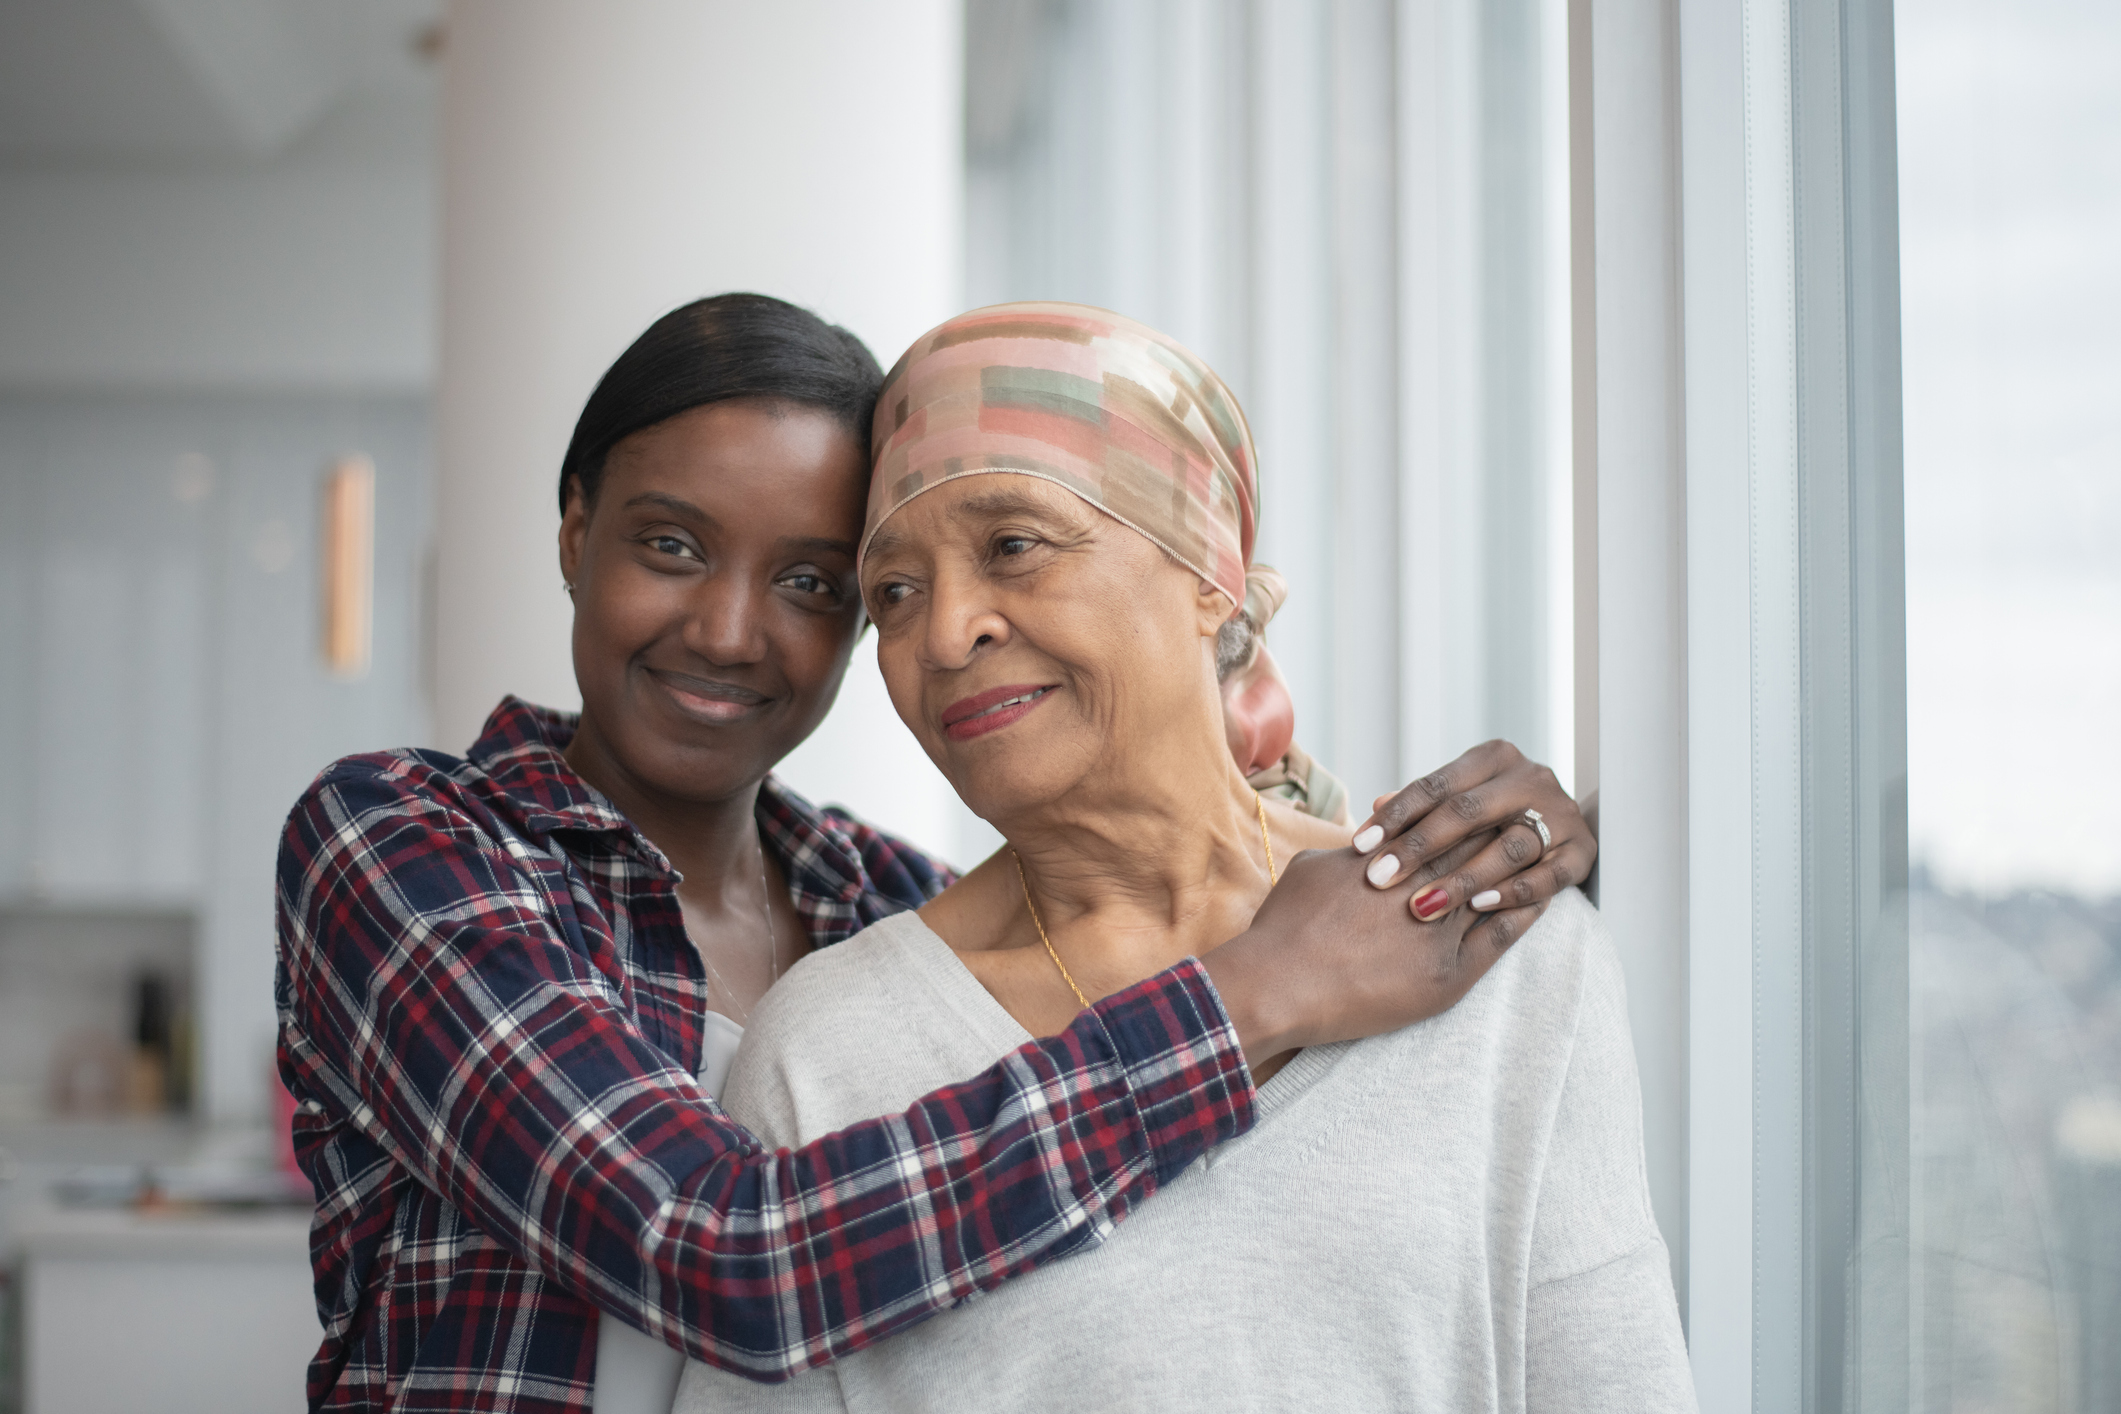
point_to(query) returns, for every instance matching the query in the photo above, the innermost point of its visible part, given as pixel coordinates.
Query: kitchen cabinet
(127, 1312)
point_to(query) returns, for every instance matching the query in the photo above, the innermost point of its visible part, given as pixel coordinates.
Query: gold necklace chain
(1273, 878)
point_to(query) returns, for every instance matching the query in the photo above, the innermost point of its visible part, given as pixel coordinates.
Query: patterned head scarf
(1110, 409)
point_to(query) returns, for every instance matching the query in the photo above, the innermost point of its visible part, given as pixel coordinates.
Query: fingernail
(1383, 870)
(1488, 899)
(1429, 903)
(1370, 838)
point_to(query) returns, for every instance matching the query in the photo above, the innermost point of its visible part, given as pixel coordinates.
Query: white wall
(605, 163)
(1635, 558)
(311, 269)
(163, 703)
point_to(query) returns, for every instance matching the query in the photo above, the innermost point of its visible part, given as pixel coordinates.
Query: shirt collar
(814, 851)
(520, 751)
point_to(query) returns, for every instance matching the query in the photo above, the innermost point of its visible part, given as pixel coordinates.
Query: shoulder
(412, 775)
(836, 986)
(1534, 1001)
(1592, 1193)
(386, 838)
(900, 871)
(1572, 933)
(355, 794)
(1569, 938)
(387, 808)
(837, 850)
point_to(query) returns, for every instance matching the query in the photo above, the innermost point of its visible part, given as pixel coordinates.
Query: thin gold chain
(1273, 877)
(1066, 976)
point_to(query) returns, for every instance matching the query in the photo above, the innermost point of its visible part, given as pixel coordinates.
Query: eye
(892, 593)
(670, 545)
(1007, 545)
(811, 583)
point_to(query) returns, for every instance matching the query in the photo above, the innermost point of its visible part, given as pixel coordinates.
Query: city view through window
(2010, 180)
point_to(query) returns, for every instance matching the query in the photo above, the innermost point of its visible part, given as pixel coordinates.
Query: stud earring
(568, 585)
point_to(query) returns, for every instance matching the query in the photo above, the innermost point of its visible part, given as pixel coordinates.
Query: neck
(1144, 851)
(713, 843)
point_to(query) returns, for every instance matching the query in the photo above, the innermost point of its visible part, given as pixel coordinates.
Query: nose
(962, 621)
(725, 622)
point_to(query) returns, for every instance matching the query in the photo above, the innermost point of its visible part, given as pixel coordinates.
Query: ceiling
(178, 81)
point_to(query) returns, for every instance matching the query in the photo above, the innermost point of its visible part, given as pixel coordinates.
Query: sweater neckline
(945, 974)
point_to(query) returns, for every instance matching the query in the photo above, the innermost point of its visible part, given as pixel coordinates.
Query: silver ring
(1546, 841)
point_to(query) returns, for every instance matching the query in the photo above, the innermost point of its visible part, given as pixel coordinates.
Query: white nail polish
(1369, 839)
(1383, 870)
(1487, 900)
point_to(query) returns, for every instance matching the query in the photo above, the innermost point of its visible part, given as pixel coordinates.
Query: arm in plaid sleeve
(440, 1000)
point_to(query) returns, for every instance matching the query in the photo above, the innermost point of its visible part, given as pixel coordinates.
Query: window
(2010, 162)
(1718, 398)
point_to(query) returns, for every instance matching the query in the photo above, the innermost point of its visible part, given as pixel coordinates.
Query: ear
(1211, 607)
(574, 532)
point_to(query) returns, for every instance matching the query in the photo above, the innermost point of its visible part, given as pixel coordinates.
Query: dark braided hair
(713, 350)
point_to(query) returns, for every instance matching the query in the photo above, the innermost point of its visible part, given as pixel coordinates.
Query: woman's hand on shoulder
(1329, 958)
(1488, 789)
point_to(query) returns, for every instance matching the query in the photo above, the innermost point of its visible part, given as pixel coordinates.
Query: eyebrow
(886, 541)
(676, 505)
(979, 506)
(1002, 501)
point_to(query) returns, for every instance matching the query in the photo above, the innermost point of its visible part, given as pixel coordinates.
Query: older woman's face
(1029, 640)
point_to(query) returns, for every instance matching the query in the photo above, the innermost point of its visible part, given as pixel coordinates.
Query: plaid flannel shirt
(490, 1017)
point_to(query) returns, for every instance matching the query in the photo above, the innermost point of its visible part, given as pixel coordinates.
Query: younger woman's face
(714, 594)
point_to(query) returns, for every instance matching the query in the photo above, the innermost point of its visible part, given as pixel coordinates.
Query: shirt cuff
(1183, 1065)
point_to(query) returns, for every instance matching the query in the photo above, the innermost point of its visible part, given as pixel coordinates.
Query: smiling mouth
(992, 710)
(709, 700)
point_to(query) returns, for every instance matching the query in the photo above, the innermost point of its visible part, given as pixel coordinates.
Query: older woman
(1060, 527)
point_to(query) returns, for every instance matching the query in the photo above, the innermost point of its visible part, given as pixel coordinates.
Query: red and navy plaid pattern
(490, 1018)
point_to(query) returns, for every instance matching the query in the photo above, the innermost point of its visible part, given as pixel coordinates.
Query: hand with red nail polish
(1481, 798)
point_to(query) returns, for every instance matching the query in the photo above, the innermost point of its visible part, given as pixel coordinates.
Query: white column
(1721, 713)
(1631, 427)
(604, 163)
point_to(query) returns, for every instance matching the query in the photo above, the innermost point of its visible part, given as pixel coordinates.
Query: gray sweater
(1453, 1217)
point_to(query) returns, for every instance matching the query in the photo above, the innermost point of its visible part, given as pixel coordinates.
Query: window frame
(1740, 571)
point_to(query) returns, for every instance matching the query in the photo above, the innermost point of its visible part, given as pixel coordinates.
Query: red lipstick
(991, 710)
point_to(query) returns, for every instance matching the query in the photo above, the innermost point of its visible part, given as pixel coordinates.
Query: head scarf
(1135, 424)
(1127, 419)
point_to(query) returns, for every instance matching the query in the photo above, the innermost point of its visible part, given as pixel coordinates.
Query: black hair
(713, 350)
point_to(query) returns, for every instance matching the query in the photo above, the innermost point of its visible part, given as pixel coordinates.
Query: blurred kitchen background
(218, 291)
(299, 300)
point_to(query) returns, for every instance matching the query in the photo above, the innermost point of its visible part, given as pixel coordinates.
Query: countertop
(36, 1225)
(48, 1232)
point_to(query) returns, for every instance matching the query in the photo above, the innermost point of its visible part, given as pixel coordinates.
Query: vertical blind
(1353, 209)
